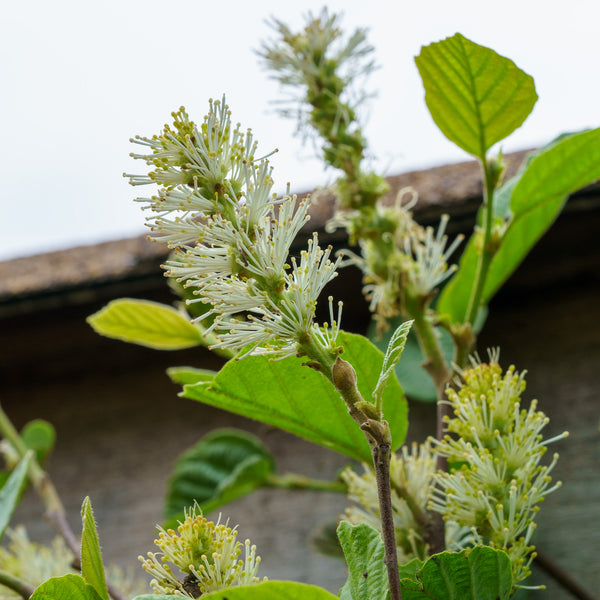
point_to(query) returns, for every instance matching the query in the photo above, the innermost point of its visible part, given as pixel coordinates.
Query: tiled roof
(450, 188)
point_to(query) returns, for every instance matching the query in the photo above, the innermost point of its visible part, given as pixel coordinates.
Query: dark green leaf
(522, 234)
(269, 590)
(11, 491)
(480, 573)
(413, 378)
(475, 96)
(146, 323)
(67, 587)
(539, 195)
(364, 552)
(532, 199)
(295, 398)
(92, 568)
(226, 464)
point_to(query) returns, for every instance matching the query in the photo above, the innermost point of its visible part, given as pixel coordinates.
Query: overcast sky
(78, 79)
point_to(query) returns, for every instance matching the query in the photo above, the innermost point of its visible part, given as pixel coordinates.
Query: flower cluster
(321, 68)
(411, 476)
(319, 60)
(401, 260)
(36, 563)
(497, 480)
(205, 553)
(232, 236)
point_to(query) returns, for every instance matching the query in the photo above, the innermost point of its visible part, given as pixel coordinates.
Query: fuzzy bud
(344, 375)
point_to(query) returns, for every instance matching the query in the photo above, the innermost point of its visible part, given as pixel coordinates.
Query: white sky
(78, 79)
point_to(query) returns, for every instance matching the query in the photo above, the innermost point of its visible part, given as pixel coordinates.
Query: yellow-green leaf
(146, 323)
(67, 587)
(475, 96)
(92, 569)
(293, 397)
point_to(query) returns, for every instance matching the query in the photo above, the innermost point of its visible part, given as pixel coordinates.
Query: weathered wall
(120, 424)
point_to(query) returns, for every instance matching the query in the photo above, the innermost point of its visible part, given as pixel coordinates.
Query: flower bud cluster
(232, 236)
(36, 563)
(206, 555)
(411, 475)
(496, 481)
(400, 260)
(319, 66)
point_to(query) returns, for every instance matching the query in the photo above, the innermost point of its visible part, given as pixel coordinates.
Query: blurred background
(79, 79)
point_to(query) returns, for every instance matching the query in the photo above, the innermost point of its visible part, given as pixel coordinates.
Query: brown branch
(562, 577)
(381, 461)
(16, 585)
(377, 431)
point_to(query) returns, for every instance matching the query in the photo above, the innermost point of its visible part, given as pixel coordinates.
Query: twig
(562, 576)
(378, 435)
(488, 250)
(377, 431)
(381, 462)
(16, 585)
(294, 481)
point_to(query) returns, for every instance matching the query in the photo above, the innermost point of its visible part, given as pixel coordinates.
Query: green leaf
(273, 590)
(410, 569)
(39, 436)
(364, 552)
(480, 573)
(475, 96)
(11, 491)
(533, 200)
(146, 323)
(414, 379)
(392, 356)
(269, 590)
(224, 465)
(538, 197)
(67, 587)
(185, 375)
(295, 398)
(454, 299)
(92, 568)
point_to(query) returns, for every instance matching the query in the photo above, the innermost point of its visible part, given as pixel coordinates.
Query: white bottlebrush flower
(500, 483)
(404, 260)
(430, 257)
(185, 153)
(202, 171)
(232, 237)
(300, 58)
(267, 252)
(285, 318)
(200, 557)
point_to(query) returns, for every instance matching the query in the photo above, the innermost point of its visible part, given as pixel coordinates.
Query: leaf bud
(369, 409)
(496, 167)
